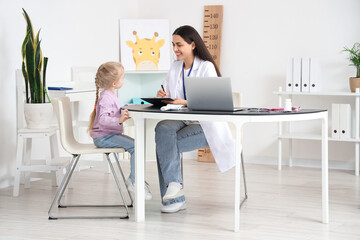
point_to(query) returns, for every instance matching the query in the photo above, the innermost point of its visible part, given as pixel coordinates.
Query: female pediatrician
(174, 137)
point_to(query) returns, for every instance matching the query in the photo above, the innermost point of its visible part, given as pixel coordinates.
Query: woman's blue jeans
(119, 141)
(173, 137)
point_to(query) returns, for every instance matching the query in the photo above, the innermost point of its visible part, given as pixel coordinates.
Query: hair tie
(95, 107)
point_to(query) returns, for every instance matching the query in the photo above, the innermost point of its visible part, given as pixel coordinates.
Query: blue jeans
(119, 141)
(173, 137)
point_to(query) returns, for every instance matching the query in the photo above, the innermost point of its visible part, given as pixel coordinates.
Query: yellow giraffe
(146, 52)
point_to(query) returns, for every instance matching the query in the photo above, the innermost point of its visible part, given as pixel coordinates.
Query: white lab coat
(217, 134)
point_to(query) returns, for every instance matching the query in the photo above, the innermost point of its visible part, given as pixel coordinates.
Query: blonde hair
(106, 74)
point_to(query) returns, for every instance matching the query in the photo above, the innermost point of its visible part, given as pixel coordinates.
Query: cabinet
(142, 84)
(290, 135)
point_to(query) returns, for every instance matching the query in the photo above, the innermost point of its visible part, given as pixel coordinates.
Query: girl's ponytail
(93, 114)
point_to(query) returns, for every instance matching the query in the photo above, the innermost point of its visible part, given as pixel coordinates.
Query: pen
(162, 87)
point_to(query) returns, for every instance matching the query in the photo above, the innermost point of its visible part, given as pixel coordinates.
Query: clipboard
(157, 101)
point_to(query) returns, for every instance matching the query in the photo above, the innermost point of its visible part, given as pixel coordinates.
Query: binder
(315, 84)
(335, 120)
(289, 75)
(345, 121)
(297, 75)
(305, 74)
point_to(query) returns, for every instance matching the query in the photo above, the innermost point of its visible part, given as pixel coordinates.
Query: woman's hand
(162, 94)
(177, 101)
(124, 116)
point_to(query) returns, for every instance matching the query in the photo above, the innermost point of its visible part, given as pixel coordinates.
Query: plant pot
(38, 115)
(354, 83)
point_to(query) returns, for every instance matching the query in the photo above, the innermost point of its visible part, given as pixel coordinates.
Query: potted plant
(38, 112)
(355, 61)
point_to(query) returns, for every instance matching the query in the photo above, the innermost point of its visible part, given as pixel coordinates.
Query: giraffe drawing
(146, 52)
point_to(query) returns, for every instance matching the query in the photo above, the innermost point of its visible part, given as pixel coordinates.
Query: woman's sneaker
(131, 188)
(174, 190)
(174, 207)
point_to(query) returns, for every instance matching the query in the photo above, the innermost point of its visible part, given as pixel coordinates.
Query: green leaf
(44, 78)
(29, 24)
(38, 59)
(30, 67)
(26, 40)
(26, 78)
(38, 88)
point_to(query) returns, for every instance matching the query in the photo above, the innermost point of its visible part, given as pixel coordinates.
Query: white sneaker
(131, 188)
(173, 208)
(173, 191)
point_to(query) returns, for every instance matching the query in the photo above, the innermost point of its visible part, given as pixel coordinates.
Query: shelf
(343, 94)
(305, 136)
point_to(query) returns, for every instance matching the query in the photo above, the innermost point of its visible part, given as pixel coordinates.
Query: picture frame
(145, 44)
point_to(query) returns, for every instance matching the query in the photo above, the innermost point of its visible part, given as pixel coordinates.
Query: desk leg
(139, 169)
(238, 147)
(279, 145)
(324, 168)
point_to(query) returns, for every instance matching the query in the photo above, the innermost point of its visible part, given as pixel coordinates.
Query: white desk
(140, 113)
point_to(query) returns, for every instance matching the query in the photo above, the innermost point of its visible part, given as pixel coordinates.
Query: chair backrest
(237, 100)
(62, 109)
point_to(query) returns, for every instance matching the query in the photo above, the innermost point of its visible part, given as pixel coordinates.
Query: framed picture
(145, 44)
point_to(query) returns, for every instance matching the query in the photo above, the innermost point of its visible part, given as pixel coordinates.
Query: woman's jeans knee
(173, 138)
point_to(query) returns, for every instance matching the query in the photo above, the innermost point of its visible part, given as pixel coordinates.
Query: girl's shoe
(174, 207)
(131, 188)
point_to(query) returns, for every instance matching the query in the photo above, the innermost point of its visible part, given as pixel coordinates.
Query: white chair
(52, 164)
(63, 113)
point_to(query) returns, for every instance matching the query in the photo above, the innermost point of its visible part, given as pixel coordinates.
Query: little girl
(106, 120)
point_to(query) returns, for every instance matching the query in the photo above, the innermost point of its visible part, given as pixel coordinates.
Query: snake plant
(32, 63)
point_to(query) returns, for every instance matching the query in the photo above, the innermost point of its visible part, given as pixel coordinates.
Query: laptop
(209, 94)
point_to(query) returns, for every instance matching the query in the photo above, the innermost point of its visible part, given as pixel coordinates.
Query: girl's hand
(124, 116)
(177, 101)
(162, 94)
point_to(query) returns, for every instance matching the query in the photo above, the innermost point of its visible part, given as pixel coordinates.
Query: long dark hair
(189, 34)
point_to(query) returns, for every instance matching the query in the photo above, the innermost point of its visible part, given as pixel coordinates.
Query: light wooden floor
(281, 205)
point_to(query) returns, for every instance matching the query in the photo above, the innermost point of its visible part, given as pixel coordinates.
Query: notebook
(209, 94)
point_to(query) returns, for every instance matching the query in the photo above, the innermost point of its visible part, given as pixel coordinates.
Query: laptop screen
(209, 93)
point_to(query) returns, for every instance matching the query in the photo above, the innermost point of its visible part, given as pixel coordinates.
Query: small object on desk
(174, 107)
(157, 101)
(276, 109)
(138, 101)
(60, 88)
(287, 105)
(296, 109)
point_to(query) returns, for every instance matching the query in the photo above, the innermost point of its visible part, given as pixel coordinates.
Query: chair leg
(72, 166)
(64, 184)
(61, 188)
(117, 183)
(123, 177)
(244, 178)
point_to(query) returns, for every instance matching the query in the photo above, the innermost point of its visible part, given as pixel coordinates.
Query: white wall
(258, 37)
(74, 33)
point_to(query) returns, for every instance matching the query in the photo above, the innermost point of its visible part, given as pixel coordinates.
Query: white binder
(289, 75)
(315, 78)
(335, 120)
(305, 74)
(345, 121)
(297, 75)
